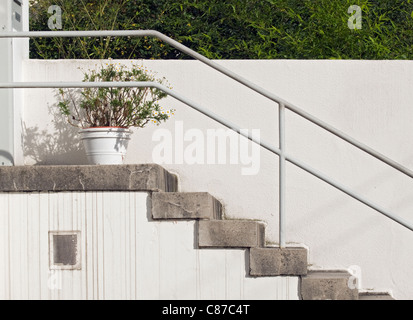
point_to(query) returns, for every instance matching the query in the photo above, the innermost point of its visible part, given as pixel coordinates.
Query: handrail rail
(282, 106)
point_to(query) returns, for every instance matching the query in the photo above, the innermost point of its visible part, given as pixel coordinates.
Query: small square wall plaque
(64, 250)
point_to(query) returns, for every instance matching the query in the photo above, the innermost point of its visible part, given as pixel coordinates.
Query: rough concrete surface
(141, 177)
(327, 285)
(278, 261)
(375, 296)
(230, 233)
(185, 205)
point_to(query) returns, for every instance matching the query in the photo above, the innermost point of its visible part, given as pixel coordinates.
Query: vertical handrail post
(282, 169)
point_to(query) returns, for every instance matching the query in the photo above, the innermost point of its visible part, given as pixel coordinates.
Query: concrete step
(278, 261)
(185, 205)
(375, 296)
(140, 177)
(230, 234)
(328, 285)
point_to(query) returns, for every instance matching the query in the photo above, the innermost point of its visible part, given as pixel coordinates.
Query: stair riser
(327, 286)
(182, 205)
(278, 262)
(230, 234)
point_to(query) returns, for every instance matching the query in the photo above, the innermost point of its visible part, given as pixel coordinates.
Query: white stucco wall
(369, 100)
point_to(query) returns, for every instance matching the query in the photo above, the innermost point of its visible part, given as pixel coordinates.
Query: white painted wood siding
(124, 254)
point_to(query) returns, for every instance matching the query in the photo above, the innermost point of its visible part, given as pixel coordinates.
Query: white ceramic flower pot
(105, 145)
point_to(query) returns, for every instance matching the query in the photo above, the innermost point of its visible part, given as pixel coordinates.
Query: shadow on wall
(60, 146)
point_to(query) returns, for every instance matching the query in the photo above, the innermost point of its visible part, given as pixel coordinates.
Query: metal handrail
(282, 106)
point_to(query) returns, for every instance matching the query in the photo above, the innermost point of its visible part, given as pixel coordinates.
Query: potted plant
(105, 115)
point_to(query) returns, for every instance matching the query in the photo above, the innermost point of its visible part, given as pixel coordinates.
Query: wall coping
(139, 177)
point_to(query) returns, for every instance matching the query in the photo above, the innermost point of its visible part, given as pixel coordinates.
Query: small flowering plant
(123, 107)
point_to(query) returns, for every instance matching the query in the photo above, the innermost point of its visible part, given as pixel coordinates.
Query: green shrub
(115, 107)
(232, 29)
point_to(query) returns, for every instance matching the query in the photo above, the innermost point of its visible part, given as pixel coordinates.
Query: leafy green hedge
(231, 29)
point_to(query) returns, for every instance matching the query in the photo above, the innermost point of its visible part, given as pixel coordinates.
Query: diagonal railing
(283, 105)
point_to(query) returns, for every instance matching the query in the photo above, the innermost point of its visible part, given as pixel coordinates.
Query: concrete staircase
(212, 230)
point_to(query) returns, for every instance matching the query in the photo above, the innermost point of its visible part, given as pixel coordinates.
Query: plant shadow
(60, 146)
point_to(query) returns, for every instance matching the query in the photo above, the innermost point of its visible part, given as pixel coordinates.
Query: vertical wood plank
(168, 254)
(132, 250)
(177, 260)
(130, 257)
(79, 205)
(212, 274)
(147, 248)
(235, 274)
(33, 234)
(119, 213)
(18, 247)
(45, 273)
(89, 245)
(111, 247)
(127, 245)
(100, 246)
(55, 276)
(95, 248)
(4, 247)
(65, 218)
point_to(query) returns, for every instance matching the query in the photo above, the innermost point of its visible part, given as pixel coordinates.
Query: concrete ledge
(182, 205)
(278, 262)
(230, 234)
(327, 285)
(142, 177)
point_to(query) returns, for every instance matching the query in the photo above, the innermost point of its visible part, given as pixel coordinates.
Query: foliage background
(231, 29)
